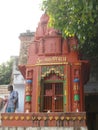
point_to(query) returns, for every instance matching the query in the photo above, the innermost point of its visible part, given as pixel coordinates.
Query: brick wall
(25, 41)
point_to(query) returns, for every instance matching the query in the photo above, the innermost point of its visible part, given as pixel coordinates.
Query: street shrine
(55, 76)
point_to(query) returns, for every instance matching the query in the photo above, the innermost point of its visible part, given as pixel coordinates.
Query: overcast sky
(16, 16)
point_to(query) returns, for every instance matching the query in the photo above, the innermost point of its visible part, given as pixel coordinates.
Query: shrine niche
(52, 89)
(55, 75)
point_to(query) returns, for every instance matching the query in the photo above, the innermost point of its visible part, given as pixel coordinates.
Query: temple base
(42, 120)
(43, 128)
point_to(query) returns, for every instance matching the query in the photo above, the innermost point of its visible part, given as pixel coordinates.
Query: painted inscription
(51, 59)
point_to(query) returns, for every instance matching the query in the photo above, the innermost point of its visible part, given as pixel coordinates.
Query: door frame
(42, 91)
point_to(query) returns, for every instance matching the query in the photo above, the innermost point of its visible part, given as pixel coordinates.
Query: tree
(6, 72)
(75, 17)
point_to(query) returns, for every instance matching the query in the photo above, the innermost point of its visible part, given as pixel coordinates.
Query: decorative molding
(58, 70)
(67, 119)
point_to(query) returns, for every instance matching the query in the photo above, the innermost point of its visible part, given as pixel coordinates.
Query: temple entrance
(52, 97)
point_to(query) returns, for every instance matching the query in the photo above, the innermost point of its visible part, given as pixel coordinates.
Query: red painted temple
(54, 73)
(55, 77)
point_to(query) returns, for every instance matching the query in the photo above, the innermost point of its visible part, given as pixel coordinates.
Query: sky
(16, 16)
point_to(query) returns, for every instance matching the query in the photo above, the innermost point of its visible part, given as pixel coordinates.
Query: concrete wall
(18, 82)
(20, 89)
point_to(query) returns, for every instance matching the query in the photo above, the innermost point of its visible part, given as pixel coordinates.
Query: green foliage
(6, 72)
(75, 17)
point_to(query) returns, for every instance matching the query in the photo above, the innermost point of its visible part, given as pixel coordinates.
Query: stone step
(43, 128)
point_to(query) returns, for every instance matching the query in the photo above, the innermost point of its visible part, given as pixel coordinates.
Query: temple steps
(43, 128)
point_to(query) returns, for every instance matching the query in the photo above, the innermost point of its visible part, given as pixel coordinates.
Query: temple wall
(26, 39)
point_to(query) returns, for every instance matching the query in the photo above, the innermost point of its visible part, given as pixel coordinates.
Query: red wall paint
(49, 48)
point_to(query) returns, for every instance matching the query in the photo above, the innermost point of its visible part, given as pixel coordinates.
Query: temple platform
(43, 121)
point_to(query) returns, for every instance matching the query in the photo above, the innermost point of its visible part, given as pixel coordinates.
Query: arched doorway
(52, 89)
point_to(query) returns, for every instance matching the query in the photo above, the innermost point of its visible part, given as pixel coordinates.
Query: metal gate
(53, 97)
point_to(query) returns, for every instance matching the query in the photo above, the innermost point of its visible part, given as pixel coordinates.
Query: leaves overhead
(75, 17)
(6, 72)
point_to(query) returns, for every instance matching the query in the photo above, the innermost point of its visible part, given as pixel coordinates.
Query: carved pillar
(28, 90)
(76, 89)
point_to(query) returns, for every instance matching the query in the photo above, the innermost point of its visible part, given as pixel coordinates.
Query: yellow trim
(16, 117)
(5, 117)
(39, 117)
(78, 63)
(11, 117)
(49, 71)
(44, 117)
(37, 92)
(66, 89)
(56, 117)
(50, 117)
(22, 117)
(28, 118)
(42, 64)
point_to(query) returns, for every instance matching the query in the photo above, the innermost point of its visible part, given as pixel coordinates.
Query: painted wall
(20, 89)
(18, 82)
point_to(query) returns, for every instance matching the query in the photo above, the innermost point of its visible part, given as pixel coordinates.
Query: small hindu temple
(55, 75)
